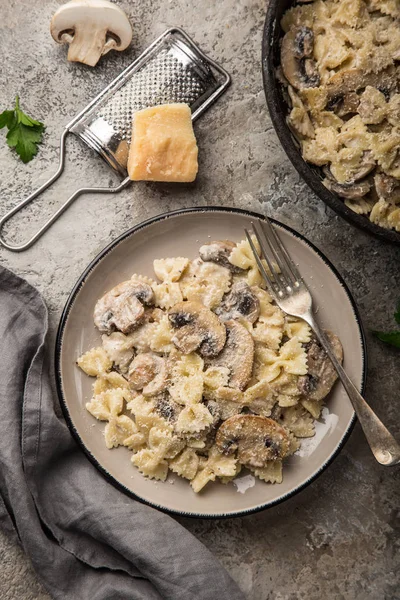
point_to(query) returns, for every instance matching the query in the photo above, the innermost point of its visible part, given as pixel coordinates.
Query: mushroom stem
(87, 46)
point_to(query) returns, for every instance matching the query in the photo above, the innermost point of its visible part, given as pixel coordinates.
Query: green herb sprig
(391, 337)
(24, 133)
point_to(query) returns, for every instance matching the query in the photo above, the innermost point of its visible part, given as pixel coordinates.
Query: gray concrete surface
(338, 538)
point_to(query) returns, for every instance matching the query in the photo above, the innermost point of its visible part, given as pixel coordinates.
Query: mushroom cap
(354, 79)
(92, 28)
(237, 355)
(356, 186)
(122, 307)
(219, 252)
(99, 14)
(321, 376)
(298, 68)
(353, 190)
(148, 372)
(198, 328)
(256, 439)
(239, 302)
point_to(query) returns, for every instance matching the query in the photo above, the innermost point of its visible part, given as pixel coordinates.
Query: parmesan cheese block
(163, 146)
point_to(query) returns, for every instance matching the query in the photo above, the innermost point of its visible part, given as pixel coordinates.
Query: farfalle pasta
(340, 67)
(200, 374)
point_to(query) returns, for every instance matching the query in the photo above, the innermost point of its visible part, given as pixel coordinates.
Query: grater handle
(58, 213)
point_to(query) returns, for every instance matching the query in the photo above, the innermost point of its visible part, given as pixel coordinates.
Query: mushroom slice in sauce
(166, 407)
(344, 104)
(321, 373)
(254, 438)
(387, 187)
(237, 355)
(148, 372)
(219, 252)
(197, 328)
(358, 186)
(352, 80)
(122, 307)
(297, 48)
(239, 302)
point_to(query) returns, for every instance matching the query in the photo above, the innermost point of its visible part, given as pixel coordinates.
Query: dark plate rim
(278, 117)
(59, 340)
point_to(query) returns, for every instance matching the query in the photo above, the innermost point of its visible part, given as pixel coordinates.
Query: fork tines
(281, 269)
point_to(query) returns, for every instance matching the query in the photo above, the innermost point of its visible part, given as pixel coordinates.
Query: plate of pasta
(186, 385)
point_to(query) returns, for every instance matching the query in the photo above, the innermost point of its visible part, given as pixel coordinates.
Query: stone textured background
(339, 537)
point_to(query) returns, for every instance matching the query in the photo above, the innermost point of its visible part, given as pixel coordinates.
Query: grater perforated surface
(164, 79)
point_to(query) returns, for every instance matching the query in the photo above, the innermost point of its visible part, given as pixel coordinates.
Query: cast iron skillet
(278, 109)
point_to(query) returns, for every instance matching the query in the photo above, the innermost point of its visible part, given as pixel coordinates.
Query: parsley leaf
(391, 337)
(24, 133)
(7, 119)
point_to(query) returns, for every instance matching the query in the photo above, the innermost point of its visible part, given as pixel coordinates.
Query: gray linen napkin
(86, 540)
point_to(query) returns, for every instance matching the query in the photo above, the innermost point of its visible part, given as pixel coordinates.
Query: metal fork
(291, 294)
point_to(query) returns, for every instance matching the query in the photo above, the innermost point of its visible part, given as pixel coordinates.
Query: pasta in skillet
(340, 67)
(201, 374)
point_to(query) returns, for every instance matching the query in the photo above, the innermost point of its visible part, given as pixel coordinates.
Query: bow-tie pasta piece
(109, 381)
(193, 418)
(205, 282)
(167, 294)
(107, 404)
(185, 464)
(161, 340)
(298, 420)
(95, 362)
(298, 328)
(170, 269)
(119, 431)
(271, 473)
(164, 443)
(148, 464)
(217, 465)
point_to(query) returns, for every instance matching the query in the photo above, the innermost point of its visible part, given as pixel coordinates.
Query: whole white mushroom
(91, 28)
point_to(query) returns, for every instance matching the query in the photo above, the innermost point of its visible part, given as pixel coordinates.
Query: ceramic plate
(181, 234)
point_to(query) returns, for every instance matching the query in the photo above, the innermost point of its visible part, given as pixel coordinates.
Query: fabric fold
(85, 538)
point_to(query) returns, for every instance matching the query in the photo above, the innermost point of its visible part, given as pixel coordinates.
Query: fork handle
(383, 445)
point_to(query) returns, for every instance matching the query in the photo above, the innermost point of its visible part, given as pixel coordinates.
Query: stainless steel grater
(172, 69)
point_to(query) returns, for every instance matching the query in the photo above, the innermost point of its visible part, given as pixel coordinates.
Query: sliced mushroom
(355, 188)
(238, 303)
(297, 48)
(219, 252)
(254, 438)
(166, 407)
(198, 328)
(91, 28)
(321, 374)
(352, 80)
(237, 355)
(387, 187)
(304, 42)
(348, 190)
(148, 372)
(122, 307)
(344, 104)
